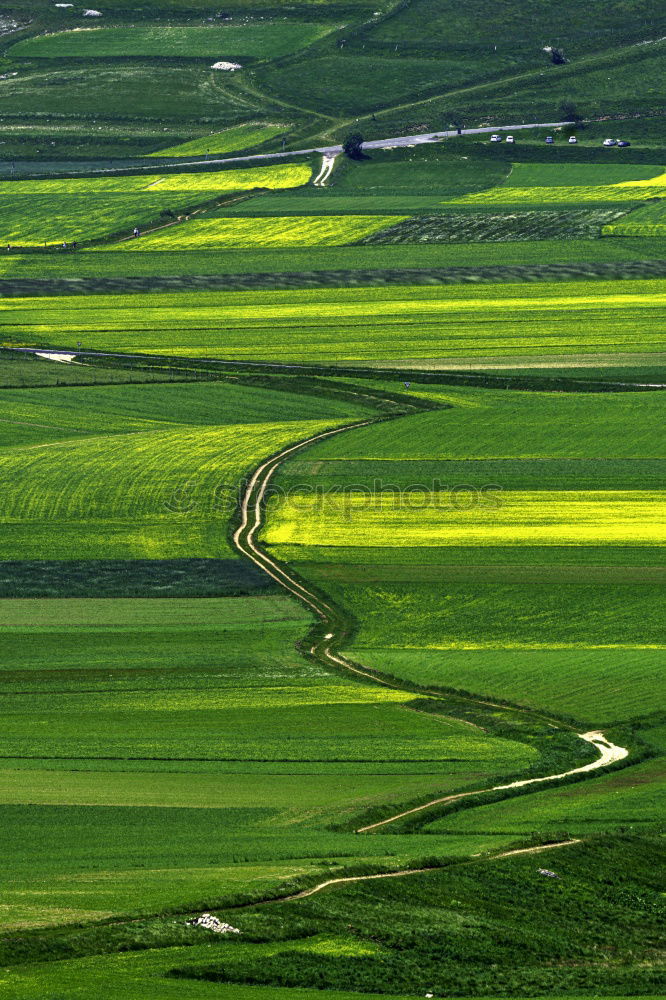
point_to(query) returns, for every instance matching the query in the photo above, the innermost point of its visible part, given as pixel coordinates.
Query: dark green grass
(424, 170)
(482, 929)
(586, 684)
(474, 564)
(483, 227)
(18, 371)
(367, 83)
(87, 862)
(487, 424)
(565, 174)
(109, 264)
(178, 93)
(55, 414)
(318, 201)
(119, 975)
(132, 578)
(281, 280)
(510, 616)
(622, 97)
(476, 29)
(449, 476)
(257, 39)
(630, 800)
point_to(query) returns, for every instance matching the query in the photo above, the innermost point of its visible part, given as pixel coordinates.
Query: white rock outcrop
(211, 923)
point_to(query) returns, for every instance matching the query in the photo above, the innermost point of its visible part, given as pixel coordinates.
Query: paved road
(403, 140)
(154, 165)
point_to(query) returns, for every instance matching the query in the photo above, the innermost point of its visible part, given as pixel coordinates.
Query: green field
(377, 257)
(244, 136)
(626, 191)
(366, 325)
(50, 211)
(238, 667)
(205, 234)
(648, 220)
(220, 42)
(172, 457)
(485, 227)
(463, 544)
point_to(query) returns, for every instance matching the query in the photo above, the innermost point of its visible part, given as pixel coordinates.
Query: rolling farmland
(51, 211)
(359, 325)
(331, 570)
(292, 231)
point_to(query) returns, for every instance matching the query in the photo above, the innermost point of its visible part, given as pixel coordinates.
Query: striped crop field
(361, 324)
(648, 220)
(640, 189)
(285, 175)
(566, 517)
(227, 141)
(289, 231)
(496, 227)
(50, 211)
(149, 494)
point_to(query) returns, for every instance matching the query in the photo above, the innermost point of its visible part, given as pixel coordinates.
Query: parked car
(549, 140)
(609, 142)
(495, 138)
(510, 138)
(623, 142)
(572, 140)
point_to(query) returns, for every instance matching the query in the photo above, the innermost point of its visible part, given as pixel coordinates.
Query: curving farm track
(335, 630)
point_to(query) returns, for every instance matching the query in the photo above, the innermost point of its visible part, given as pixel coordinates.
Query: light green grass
(513, 517)
(648, 220)
(621, 191)
(31, 416)
(148, 494)
(50, 211)
(366, 324)
(244, 136)
(292, 231)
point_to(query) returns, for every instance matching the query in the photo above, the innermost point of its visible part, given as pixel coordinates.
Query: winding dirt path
(245, 540)
(420, 871)
(609, 753)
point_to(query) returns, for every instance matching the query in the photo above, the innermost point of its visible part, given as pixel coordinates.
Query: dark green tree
(353, 146)
(569, 112)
